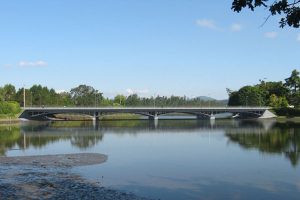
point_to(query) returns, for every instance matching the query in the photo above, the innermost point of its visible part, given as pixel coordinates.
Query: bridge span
(48, 113)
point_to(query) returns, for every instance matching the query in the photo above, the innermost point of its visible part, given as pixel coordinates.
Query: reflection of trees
(8, 138)
(82, 140)
(13, 136)
(283, 139)
(87, 141)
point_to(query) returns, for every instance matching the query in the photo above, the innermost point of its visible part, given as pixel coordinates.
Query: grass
(9, 118)
(283, 119)
(120, 116)
(77, 117)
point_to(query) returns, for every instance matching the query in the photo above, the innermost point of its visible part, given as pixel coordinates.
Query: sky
(148, 47)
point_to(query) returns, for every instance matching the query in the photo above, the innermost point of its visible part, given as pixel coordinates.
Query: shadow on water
(263, 135)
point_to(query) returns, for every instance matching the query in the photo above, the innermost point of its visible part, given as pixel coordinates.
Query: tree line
(268, 93)
(84, 95)
(265, 93)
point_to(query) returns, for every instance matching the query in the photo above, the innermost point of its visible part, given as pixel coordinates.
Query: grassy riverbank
(283, 119)
(76, 117)
(9, 118)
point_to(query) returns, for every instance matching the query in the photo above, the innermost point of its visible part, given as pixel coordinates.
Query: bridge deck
(43, 113)
(147, 108)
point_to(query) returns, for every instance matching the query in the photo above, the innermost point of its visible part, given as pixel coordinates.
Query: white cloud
(130, 91)
(38, 63)
(236, 27)
(207, 23)
(271, 35)
(298, 37)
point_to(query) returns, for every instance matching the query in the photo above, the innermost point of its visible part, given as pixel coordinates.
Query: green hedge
(289, 112)
(9, 108)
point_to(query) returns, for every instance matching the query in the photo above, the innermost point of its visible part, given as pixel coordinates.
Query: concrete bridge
(47, 113)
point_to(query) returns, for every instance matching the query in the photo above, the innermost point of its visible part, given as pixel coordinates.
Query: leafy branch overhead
(289, 10)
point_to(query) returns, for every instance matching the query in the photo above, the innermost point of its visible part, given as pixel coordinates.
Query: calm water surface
(175, 159)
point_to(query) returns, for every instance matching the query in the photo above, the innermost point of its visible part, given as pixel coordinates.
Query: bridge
(48, 113)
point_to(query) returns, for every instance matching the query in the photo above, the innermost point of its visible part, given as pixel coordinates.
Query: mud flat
(49, 177)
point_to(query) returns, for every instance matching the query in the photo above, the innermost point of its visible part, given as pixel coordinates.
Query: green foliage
(277, 88)
(293, 81)
(234, 99)
(106, 102)
(274, 94)
(288, 10)
(120, 100)
(7, 93)
(9, 108)
(277, 102)
(247, 96)
(133, 100)
(84, 95)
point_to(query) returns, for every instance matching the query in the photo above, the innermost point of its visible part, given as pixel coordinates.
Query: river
(174, 159)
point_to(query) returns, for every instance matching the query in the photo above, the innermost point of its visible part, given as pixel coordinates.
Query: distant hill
(205, 98)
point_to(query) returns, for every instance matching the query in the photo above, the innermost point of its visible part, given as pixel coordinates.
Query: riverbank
(9, 118)
(283, 119)
(49, 177)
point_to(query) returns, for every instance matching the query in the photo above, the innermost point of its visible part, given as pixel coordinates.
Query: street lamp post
(96, 98)
(24, 99)
(31, 98)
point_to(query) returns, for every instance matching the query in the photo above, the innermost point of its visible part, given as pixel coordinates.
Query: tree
(234, 99)
(120, 100)
(133, 100)
(277, 102)
(293, 81)
(288, 9)
(85, 95)
(246, 96)
(8, 92)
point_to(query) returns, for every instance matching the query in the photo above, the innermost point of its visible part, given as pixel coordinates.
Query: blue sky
(180, 47)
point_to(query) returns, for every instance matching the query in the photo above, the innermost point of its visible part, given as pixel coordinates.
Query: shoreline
(50, 177)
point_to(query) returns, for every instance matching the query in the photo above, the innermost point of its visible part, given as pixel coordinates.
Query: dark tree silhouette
(289, 10)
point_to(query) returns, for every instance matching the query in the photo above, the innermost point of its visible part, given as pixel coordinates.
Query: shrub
(9, 108)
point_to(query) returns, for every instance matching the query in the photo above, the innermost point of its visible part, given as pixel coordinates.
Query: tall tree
(85, 95)
(247, 96)
(8, 92)
(289, 10)
(120, 99)
(293, 81)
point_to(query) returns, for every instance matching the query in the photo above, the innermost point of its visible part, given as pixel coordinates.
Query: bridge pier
(153, 116)
(96, 116)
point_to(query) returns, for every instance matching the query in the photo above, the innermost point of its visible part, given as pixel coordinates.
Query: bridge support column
(96, 116)
(154, 116)
(212, 116)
